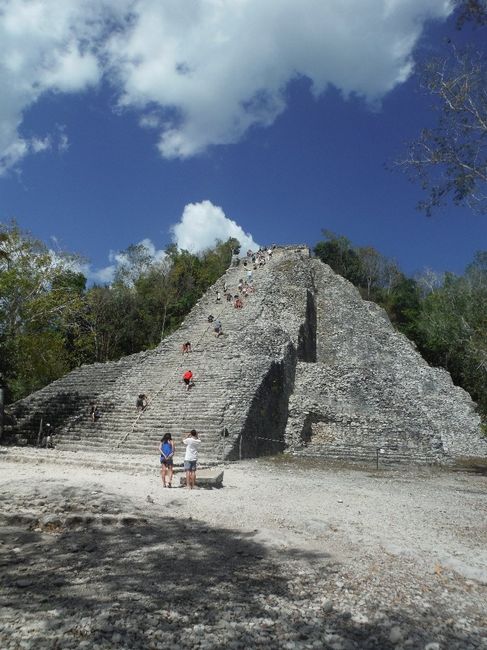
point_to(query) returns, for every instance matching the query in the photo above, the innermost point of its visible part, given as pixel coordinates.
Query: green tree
(452, 328)
(40, 296)
(133, 262)
(379, 274)
(338, 253)
(403, 305)
(148, 299)
(474, 11)
(50, 322)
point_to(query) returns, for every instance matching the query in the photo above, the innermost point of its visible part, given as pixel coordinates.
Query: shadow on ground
(166, 582)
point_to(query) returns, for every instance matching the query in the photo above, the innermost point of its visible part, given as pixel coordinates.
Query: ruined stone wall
(64, 398)
(371, 389)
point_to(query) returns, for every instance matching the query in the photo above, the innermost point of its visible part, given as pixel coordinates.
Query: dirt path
(287, 554)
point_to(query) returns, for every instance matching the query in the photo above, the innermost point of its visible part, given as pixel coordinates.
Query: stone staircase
(172, 408)
(307, 365)
(98, 459)
(228, 373)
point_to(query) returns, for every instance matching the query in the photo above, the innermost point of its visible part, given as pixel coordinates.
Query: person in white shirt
(192, 442)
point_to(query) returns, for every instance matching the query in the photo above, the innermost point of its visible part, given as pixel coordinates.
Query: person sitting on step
(238, 304)
(94, 412)
(141, 402)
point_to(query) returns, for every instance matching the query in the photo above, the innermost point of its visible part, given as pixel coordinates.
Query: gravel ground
(286, 555)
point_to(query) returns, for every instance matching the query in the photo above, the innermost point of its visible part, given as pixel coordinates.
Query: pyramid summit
(305, 366)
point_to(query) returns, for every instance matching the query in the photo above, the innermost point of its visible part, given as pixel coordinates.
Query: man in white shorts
(192, 443)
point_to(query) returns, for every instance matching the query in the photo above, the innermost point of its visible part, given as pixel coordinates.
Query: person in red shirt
(188, 379)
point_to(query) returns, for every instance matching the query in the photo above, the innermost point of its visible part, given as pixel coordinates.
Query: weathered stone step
(304, 335)
(354, 455)
(132, 462)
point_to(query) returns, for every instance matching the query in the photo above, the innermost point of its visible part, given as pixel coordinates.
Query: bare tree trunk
(164, 320)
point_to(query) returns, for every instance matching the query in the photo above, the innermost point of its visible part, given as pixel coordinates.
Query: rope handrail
(177, 369)
(151, 399)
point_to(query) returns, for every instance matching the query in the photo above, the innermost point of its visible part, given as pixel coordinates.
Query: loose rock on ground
(285, 555)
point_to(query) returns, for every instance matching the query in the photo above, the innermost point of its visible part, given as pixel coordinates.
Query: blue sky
(168, 121)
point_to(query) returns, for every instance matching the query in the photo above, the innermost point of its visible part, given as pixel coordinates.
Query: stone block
(206, 478)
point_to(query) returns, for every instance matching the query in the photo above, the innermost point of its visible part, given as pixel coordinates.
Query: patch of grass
(474, 464)
(289, 461)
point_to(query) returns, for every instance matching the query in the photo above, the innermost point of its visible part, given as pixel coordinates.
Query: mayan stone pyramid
(306, 366)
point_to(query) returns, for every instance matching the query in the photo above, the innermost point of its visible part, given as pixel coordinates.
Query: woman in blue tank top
(166, 449)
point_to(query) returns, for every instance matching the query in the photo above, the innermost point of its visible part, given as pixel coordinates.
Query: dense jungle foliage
(51, 322)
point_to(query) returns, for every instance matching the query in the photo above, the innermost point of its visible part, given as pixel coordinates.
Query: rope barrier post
(379, 450)
(2, 413)
(39, 434)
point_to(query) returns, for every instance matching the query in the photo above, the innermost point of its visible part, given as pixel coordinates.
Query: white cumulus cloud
(104, 275)
(41, 144)
(201, 72)
(46, 46)
(203, 224)
(157, 254)
(218, 67)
